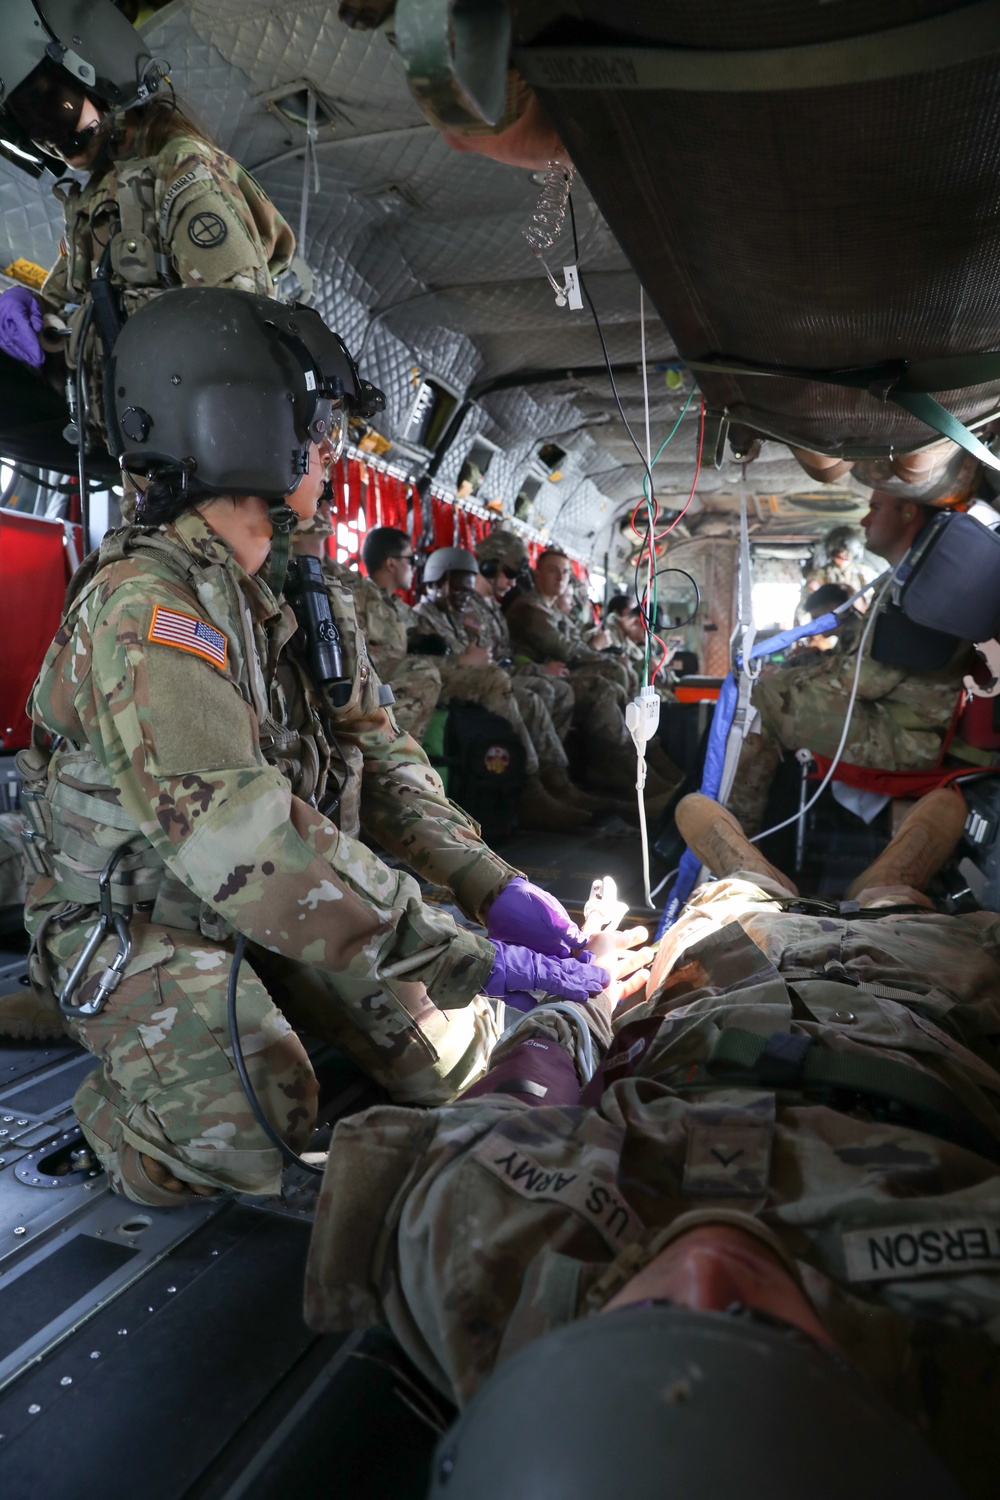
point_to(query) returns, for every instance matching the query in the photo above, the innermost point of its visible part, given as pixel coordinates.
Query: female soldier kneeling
(154, 699)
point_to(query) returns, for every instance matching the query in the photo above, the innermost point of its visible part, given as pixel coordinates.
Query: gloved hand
(20, 325)
(517, 971)
(524, 913)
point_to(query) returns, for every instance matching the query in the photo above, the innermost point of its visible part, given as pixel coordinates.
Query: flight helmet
(56, 53)
(229, 389)
(658, 1401)
(449, 560)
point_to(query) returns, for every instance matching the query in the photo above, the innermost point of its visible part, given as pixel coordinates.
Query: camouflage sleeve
(876, 680)
(54, 293)
(533, 634)
(227, 825)
(404, 806)
(429, 619)
(217, 233)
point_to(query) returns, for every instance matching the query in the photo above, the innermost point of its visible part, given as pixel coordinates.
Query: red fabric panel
(891, 783)
(975, 726)
(34, 571)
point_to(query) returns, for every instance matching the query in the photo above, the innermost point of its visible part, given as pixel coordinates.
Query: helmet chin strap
(283, 522)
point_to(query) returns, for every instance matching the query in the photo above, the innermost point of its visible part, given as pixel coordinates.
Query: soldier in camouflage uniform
(602, 685)
(173, 208)
(444, 614)
(840, 562)
(900, 716)
(387, 620)
(856, 1152)
(174, 726)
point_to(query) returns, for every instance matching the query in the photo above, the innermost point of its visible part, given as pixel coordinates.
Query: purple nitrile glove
(518, 970)
(524, 913)
(20, 325)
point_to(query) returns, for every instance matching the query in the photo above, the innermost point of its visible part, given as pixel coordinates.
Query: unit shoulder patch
(169, 627)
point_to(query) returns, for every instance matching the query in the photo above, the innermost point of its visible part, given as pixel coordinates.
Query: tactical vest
(70, 800)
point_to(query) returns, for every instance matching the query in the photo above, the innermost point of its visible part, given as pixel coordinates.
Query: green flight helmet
(55, 53)
(656, 1402)
(229, 389)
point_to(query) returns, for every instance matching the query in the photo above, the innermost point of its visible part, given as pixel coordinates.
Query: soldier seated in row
(448, 613)
(901, 712)
(384, 618)
(602, 684)
(740, 1232)
(195, 781)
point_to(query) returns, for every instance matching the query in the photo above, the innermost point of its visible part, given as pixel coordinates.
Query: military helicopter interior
(666, 338)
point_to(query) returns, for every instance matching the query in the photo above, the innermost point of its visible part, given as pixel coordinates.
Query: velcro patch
(597, 1202)
(169, 627)
(728, 1159)
(899, 1252)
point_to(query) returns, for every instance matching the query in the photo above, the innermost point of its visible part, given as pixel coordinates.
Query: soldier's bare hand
(556, 669)
(160, 1174)
(626, 958)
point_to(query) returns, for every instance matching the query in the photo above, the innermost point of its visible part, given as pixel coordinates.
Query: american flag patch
(171, 628)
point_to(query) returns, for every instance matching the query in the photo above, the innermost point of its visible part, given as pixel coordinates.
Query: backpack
(481, 760)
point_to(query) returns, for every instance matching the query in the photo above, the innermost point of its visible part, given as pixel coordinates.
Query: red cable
(697, 473)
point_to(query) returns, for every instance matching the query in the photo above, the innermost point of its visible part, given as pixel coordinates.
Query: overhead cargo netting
(810, 195)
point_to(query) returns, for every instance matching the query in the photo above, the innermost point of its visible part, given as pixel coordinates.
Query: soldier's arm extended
(180, 743)
(405, 807)
(218, 227)
(534, 635)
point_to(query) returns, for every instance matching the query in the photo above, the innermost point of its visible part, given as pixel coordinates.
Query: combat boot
(30, 1017)
(927, 837)
(540, 812)
(557, 784)
(714, 835)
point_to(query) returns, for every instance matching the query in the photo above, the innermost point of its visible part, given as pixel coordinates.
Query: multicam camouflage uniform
(555, 692)
(898, 724)
(164, 750)
(12, 872)
(491, 686)
(189, 216)
(489, 1222)
(601, 684)
(385, 620)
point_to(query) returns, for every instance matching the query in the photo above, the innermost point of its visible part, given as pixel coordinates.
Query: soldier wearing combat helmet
(162, 207)
(162, 829)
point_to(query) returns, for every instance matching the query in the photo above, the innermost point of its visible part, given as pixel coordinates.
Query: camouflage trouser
(555, 692)
(808, 713)
(611, 669)
(491, 688)
(598, 711)
(13, 882)
(168, 1088)
(416, 686)
(538, 721)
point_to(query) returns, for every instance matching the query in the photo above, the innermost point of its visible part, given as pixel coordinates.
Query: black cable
(640, 598)
(241, 1066)
(697, 594)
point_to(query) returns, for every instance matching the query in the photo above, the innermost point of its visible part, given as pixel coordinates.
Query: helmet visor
(48, 104)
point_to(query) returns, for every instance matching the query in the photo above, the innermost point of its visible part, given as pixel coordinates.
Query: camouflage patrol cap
(449, 560)
(699, 1405)
(503, 547)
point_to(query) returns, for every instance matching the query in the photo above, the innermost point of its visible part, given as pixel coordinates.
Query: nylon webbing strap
(789, 1061)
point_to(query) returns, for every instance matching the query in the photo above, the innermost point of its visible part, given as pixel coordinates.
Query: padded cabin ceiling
(421, 264)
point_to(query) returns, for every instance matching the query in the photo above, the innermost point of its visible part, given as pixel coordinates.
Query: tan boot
(928, 835)
(711, 832)
(30, 1018)
(538, 811)
(558, 785)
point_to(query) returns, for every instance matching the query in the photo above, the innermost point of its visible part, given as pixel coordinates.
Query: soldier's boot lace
(927, 837)
(715, 836)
